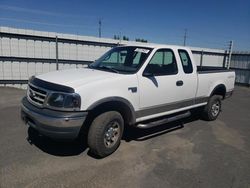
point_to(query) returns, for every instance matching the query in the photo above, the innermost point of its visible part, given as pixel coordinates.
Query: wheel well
(126, 111)
(219, 90)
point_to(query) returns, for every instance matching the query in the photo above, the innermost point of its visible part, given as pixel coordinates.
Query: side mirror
(147, 74)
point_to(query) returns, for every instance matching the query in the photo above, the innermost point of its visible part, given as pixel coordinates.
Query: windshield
(126, 60)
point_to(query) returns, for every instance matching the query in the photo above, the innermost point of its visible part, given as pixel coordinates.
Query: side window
(157, 58)
(163, 62)
(186, 61)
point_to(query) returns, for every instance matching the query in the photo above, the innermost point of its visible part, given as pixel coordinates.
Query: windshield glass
(125, 60)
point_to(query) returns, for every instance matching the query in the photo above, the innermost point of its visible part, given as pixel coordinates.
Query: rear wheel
(105, 133)
(212, 109)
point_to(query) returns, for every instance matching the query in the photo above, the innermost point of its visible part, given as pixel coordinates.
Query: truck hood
(76, 77)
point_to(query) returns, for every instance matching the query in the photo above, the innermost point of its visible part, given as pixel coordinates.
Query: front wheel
(105, 133)
(212, 109)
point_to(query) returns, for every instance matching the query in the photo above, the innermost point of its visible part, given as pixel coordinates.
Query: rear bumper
(54, 124)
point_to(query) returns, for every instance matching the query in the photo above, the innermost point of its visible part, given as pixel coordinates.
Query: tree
(125, 38)
(141, 40)
(116, 37)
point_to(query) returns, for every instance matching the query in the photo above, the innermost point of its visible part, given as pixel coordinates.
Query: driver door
(160, 85)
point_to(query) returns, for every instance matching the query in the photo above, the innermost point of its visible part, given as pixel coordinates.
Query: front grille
(36, 95)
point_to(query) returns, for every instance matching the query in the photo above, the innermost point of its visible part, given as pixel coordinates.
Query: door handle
(179, 83)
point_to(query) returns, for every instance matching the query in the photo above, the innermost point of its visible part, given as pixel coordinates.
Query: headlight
(64, 101)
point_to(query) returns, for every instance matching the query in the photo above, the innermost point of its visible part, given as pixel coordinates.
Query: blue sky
(210, 23)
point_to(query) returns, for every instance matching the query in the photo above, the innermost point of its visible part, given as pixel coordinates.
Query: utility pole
(57, 65)
(120, 37)
(185, 37)
(230, 54)
(100, 28)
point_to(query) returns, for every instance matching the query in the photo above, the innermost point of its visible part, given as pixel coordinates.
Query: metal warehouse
(24, 53)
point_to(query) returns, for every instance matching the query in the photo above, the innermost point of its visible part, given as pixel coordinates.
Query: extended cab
(125, 87)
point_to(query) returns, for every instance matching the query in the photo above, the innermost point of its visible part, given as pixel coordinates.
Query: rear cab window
(185, 61)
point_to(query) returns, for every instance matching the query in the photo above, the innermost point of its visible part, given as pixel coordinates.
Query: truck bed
(210, 77)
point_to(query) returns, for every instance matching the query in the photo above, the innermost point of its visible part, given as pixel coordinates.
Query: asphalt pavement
(190, 153)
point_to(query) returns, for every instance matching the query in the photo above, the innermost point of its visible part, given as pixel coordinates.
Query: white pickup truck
(125, 87)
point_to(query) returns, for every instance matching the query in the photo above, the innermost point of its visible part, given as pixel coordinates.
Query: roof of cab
(152, 45)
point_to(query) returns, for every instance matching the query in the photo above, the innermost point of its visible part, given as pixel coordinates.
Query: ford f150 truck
(125, 87)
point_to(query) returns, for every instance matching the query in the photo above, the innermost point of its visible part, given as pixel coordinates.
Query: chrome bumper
(54, 124)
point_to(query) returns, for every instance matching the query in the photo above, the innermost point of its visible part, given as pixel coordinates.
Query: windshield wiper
(108, 68)
(103, 67)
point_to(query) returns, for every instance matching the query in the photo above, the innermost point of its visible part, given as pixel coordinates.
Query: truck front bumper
(51, 123)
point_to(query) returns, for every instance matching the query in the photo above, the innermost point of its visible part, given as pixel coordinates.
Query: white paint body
(95, 85)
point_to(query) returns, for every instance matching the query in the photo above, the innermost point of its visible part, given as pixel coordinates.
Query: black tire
(106, 128)
(212, 109)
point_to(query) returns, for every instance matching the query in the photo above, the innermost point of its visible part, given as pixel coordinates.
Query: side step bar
(163, 121)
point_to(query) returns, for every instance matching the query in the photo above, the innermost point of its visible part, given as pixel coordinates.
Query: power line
(42, 12)
(45, 23)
